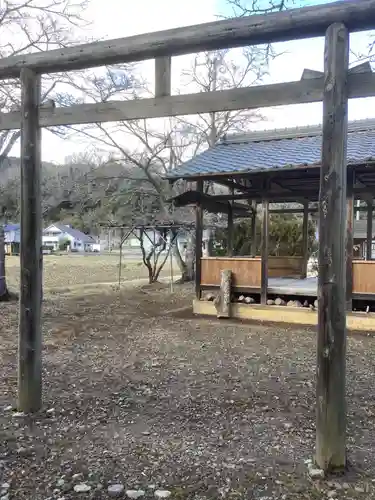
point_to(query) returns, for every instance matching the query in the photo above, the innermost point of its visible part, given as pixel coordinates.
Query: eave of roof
(278, 150)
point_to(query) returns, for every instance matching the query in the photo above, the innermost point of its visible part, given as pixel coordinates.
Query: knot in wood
(326, 352)
(329, 83)
(324, 208)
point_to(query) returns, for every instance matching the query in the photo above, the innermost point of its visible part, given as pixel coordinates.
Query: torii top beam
(306, 22)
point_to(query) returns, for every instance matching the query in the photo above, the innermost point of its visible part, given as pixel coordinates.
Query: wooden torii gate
(334, 21)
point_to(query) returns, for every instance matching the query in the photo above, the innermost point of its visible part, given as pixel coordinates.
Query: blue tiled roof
(11, 227)
(276, 149)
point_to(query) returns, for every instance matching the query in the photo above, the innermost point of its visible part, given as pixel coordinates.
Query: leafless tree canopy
(29, 26)
(249, 7)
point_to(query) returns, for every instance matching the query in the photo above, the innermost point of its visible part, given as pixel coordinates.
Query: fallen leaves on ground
(140, 399)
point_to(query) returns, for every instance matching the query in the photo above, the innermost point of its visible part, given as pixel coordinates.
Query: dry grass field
(69, 272)
(140, 394)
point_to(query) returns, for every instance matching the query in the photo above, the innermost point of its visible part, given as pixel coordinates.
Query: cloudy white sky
(110, 19)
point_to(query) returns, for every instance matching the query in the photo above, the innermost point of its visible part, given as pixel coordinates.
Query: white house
(12, 239)
(77, 241)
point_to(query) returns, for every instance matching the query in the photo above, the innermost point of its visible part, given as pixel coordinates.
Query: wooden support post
(305, 238)
(230, 231)
(331, 342)
(264, 256)
(253, 250)
(349, 240)
(198, 243)
(369, 231)
(163, 76)
(30, 332)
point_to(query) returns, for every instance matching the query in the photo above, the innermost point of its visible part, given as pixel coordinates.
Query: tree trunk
(187, 266)
(4, 294)
(190, 259)
(180, 261)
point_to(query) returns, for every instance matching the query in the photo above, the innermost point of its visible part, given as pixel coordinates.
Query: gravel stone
(135, 493)
(82, 488)
(115, 490)
(162, 494)
(18, 414)
(316, 473)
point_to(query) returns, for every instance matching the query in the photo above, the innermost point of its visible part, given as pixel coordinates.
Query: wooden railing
(286, 267)
(246, 271)
(364, 276)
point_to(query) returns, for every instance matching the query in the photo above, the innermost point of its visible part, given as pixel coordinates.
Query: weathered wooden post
(254, 229)
(331, 345)
(198, 242)
(230, 231)
(163, 80)
(264, 255)
(305, 238)
(30, 332)
(369, 231)
(349, 240)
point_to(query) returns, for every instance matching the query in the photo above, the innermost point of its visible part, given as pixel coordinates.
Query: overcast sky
(110, 19)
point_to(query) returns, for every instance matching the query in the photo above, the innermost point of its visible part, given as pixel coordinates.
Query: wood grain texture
(280, 314)
(283, 197)
(30, 331)
(364, 276)
(163, 77)
(286, 267)
(222, 301)
(253, 248)
(305, 239)
(230, 231)
(264, 252)
(369, 231)
(331, 343)
(364, 67)
(291, 24)
(198, 242)
(246, 271)
(349, 250)
(262, 96)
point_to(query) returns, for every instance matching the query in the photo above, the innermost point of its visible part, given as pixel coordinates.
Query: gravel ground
(139, 398)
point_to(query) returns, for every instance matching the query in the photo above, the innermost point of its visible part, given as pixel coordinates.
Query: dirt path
(138, 397)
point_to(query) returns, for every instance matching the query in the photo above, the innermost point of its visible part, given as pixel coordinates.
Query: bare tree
(249, 7)
(221, 70)
(31, 26)
(156, 147)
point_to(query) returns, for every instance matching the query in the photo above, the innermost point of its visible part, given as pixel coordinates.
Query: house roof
(78, 235)
(11, 227)
(276, 149)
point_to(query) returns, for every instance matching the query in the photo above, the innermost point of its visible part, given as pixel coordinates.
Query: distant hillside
(10, 168)
(85, 195)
